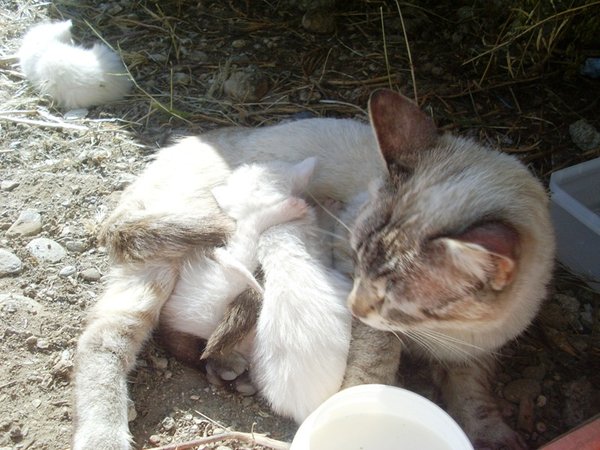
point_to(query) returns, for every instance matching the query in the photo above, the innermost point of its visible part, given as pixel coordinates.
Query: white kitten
(303, 330)
(257, 197)
(75, 77)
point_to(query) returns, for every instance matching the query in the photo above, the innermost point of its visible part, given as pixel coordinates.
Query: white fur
(303, 331)
(75, 77)
(258, 197)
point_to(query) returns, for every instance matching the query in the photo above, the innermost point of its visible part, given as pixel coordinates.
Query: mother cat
(453, 248)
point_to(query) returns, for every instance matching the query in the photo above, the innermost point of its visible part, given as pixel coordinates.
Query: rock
(31, 342)
(154, 439)
(584, 135)
(67, 271)
(159, 362)
(42, 344)
(535, 372)
(525, 418)
(15, 302)
(91, 274)
(168, 423)
(522, 388)
(76, 246)
(10, 264)
(319, 21)
(63, 368)
(8, 185)
(248, 85)
(44, 249)
(29, 223)
(223, 447)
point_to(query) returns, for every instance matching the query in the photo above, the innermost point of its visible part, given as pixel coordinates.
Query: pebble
(160, 362)
(168, 423)
(67, 271)
(90, 274)
(8, 185)
(15, 302)
(535, 372)
(584, 135)
(154, 439)
(223, 447)
(64, 366)
(319, 21)
(42, 344)
(76, 246)
(29, 223)
(522, 388)
(44, 249)
(247, 85)
(10, 264)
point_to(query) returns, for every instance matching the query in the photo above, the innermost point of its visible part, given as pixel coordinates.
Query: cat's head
(254, 186)
(449, 236)
(48, 32)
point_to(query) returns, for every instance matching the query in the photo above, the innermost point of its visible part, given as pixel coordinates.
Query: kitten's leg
(229, 348)
(374, 356)
(117, 327)
(467, 394)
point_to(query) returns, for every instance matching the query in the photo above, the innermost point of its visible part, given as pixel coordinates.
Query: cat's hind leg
(117, 327)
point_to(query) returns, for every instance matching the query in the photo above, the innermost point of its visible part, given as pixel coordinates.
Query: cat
(303, 329)
(257, 197)
(73, 76)
(161, 218)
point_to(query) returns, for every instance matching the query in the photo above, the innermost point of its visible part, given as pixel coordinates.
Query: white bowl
(378, 417)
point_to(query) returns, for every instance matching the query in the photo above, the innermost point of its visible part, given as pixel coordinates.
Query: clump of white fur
(75, 77)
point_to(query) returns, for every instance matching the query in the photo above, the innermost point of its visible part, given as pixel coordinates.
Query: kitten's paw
(243, 384)
(294, 208)
(223, 369)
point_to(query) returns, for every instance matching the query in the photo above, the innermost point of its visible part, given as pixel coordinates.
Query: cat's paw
(496, 435)
(293, 208)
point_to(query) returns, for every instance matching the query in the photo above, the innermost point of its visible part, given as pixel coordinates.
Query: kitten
(75, 77)
(303, 329)
(489, 244)
(257, 197)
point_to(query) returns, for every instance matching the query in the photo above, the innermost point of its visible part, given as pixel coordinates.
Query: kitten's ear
(487, 251)
(401, 128)
(302, 173)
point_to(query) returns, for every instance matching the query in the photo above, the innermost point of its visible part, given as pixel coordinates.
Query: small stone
(31, 342)
(319, 21)
(218, 431)
(154, 439)
(8, 185)
(584, 135)
(16, 302)
(42, 344)
(44, 249)
(522, 388)
(10, 264)
(63, 368)
(223, 447)
(36, 403)
(168, 423)
(239, 43)
(91, 274)
(67, 271)
(76, 246)
(578, 401)
(248, 85)
(29, 223)
(535, 372)
(541, 401)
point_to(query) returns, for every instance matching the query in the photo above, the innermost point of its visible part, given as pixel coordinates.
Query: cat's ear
(487, 252)
(302, 173)
(401, 128)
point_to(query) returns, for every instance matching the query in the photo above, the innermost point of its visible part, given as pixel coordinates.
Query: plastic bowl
(378, 417)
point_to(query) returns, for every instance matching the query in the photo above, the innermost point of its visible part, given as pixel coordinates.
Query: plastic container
(575, 209)
(378, 417)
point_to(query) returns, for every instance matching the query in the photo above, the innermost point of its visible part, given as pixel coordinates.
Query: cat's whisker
(463, 343)
(336, 218)
(438, 340)
(329, 233)
(425, 344)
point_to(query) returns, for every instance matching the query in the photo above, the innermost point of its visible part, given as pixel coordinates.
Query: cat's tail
(162, 236)
(238, 323)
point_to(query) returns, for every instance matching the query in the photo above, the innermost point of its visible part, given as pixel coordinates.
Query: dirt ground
(71, 172)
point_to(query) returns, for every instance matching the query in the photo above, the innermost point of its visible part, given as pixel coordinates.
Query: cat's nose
(363, 300)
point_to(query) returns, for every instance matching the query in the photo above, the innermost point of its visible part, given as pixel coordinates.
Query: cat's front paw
(225, 368)
(496, 435)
